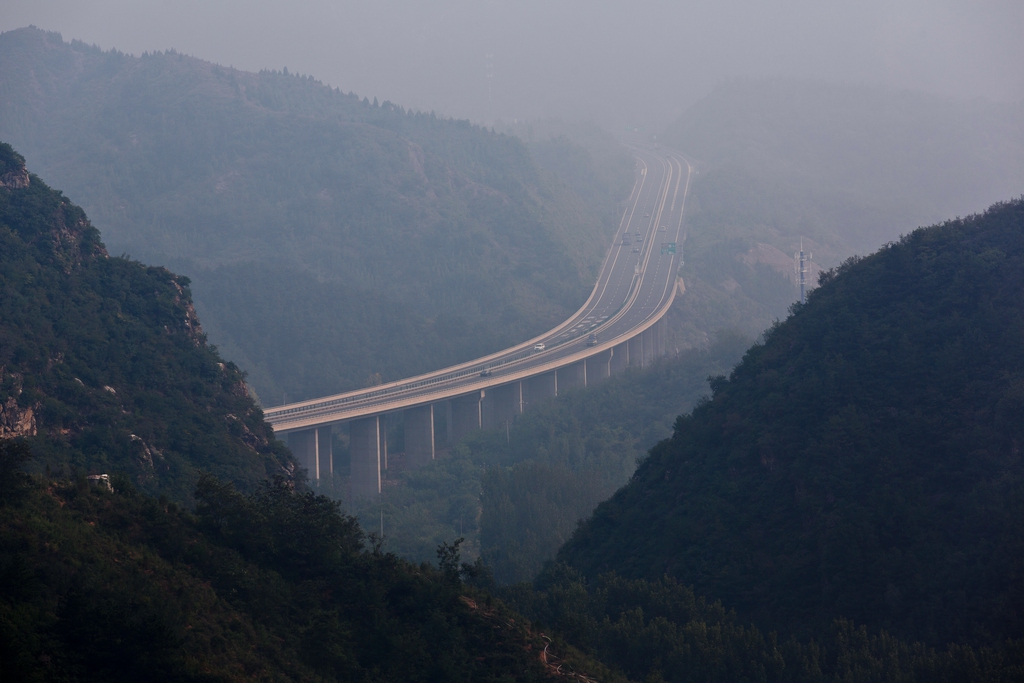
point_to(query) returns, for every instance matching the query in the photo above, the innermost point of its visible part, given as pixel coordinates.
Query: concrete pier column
(655, 331)
(501, 404)
(383, 431)
(572, 376)
(302, 444)
(419, 435)
(466, 415)
(324, 452)
(636, 351)
(647, 338)
(599, 367)
(364, 450)
(538, 389)
(620, 357)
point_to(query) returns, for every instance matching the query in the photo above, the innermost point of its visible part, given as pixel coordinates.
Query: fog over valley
(617, 63)
(512, 341)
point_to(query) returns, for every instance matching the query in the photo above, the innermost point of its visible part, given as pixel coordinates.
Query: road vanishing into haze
(636, 285)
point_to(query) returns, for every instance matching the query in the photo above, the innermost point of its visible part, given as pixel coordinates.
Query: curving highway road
(635, 287)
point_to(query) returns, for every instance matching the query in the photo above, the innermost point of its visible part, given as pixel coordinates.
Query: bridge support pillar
(364, 449)
(636, 351)
(655, 336)
(383, 431)
(501, 404)
(539, 388)
(599, 367)
(620, 357)
(312, 448)
(572, 376)
(324, 452)
(467, 415)
(419, 435)
(647, 338)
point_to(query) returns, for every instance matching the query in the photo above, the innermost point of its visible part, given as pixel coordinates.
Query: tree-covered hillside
(309, 219)
(103, 365)
(103, 368)
(863, 462)
(273, 586)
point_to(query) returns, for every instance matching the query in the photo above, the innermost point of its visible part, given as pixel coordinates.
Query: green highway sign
(668, 248)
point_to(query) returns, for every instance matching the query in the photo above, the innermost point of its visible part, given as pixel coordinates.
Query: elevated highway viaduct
(617, 327)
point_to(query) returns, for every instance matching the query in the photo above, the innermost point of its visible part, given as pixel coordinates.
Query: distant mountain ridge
(840, 168)
(859, 164)
(329, 239)
(864, 461)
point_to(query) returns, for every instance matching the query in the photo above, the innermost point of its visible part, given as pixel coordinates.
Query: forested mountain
(103, 364)
(331, 241)
(863, 462)
(845, 168)
(104, 368)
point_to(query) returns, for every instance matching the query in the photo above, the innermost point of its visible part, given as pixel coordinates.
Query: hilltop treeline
(330, 239)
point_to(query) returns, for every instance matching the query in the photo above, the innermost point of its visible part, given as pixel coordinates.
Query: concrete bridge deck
(635, 288)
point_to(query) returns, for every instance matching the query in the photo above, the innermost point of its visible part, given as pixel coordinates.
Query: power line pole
(802, 262)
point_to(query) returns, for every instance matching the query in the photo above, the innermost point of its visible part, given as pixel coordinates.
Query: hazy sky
(614, 62)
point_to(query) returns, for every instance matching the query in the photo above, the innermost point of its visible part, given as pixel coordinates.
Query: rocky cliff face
(103, 364)
(15, 420)
(15, 179)
(13, 173)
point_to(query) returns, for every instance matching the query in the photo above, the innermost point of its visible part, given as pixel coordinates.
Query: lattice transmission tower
(802, 263)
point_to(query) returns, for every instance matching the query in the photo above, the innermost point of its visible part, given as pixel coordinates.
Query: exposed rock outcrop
(13, 174)
(15, 179)
(16, 421)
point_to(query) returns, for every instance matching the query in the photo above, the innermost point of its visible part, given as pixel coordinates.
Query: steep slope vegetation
(863, 462)
(103, 365)
(307, 218)
(271, 586)
(104, 368)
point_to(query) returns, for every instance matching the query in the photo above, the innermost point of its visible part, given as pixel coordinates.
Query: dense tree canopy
(103, 365)
(863, 462)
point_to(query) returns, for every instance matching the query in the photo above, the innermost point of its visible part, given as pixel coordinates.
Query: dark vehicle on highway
(592, 340)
